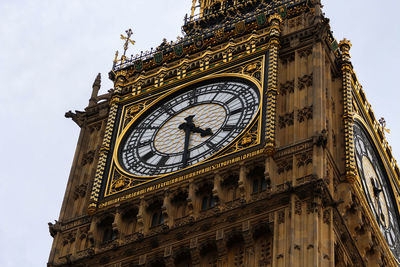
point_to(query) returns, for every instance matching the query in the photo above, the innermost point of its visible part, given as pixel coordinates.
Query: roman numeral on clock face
(143, 144)
(229, 127)
(236, 111)
(148, 156)
(212, 146)
(162, 161)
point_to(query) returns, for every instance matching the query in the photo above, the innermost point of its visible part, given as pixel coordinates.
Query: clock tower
(247, 142)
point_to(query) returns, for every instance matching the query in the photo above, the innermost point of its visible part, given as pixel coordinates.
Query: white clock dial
(188, 127)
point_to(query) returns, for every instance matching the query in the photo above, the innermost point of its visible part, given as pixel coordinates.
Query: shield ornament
(178, 49)
(334, 45)
(158, 57)
(198, 42)
(261, 19)
(139, 65)
(240, 27)
(282, 10)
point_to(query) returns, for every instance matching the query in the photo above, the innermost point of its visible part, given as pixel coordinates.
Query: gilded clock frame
(389, 175)
(234, 71)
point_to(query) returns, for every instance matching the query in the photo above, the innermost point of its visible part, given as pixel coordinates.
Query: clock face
(188, 127)
(377, 190)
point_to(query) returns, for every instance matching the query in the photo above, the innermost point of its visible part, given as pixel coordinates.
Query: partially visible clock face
(188, 127)
(377, 190)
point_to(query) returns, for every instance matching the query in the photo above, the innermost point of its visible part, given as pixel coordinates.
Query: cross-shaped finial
(127, 40)
(382, 122)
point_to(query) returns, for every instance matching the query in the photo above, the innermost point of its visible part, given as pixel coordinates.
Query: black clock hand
(186, 147)
(203, 133)
(377, 192)
(190, 127)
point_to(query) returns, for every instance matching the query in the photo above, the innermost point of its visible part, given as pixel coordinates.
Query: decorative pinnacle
(344, 43)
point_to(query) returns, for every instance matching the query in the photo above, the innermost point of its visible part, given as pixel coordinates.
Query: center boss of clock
(188, 127)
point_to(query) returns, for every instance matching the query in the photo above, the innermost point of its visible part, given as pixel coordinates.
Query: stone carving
(95, 127)
(54, 228)
(297, 207)
(305, 113)
(305, 81)
(286, 120)
(327, 216)
(78, 117)
(304, 159)
(284, 165)
(88, 157)
(80, 191)
(298, 21)
(305, 52)
(286, 59)
(321, 139)
(281, 216)
(287, 88)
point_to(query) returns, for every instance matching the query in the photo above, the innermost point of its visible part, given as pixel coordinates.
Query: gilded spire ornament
(127, 41)
(382, 122)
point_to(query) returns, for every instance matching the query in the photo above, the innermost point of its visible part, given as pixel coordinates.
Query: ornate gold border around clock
(96, 188)
(122, 133)
(360, 191)
(388, 169)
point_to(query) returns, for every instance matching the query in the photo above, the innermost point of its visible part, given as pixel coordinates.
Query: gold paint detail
(249, 139)
(275, 16)
(94, 197)
(170, 139)
(253, 131)
(350, 173)
(133, 111)
(171, 181)
(227, 51)
(272, 91)
(253, 69)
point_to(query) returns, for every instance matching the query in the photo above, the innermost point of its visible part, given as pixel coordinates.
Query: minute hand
(186, 147)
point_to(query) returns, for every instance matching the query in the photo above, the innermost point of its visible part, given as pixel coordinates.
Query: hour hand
(206, 132)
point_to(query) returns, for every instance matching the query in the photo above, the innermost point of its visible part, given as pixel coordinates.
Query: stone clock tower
(248, 142)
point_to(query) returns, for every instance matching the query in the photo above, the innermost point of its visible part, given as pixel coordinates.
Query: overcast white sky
(50, 54)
